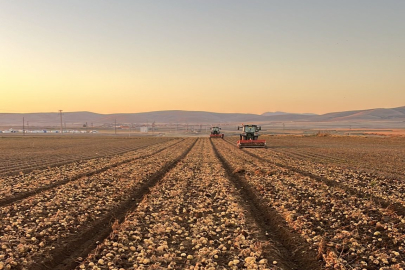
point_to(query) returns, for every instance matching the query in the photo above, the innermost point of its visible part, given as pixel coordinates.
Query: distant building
(144, 129)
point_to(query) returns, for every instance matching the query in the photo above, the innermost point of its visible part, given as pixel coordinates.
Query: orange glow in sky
(219, 56)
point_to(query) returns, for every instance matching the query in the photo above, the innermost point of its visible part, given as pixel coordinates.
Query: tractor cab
(249, 132)
(215, 130)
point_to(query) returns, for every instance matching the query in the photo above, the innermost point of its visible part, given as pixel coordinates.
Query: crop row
(32, 228)
(11, 186)
(192, 219)
(348, 232)
(31, 153)
(384, 156)
(387, 189)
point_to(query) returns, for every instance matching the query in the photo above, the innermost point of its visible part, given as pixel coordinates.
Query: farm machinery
(216, 133)
(249, 137)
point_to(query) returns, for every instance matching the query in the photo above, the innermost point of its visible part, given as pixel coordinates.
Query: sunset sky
(205, 55)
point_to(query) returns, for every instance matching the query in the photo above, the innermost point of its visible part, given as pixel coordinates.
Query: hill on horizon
(285, 113)
(197, 117)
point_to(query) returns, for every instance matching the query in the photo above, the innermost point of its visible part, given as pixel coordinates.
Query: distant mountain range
(284, 113)
(198, 117)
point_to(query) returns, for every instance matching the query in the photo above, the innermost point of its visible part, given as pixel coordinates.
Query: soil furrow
(29, 167)
(397, 207)
(382, 172)
(23, 195)
(68, 254)
(290, 244)
(344, 228)
(193, 219)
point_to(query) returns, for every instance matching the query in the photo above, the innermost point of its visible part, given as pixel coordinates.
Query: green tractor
(249, 138)
(216, 133)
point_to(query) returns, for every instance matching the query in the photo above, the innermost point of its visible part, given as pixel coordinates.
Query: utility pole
(61, 126)
(115, 126)
(23, 126)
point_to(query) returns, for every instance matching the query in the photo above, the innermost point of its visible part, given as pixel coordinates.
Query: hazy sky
(223, 55)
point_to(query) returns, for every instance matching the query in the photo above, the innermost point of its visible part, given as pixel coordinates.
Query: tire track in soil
(397, 207)
(293, 248)
(24, 195)
(67, 255)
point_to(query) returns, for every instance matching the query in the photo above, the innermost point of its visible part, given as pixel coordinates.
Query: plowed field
(200, 203)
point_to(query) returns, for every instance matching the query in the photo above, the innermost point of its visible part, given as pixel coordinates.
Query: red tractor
(216, 133)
